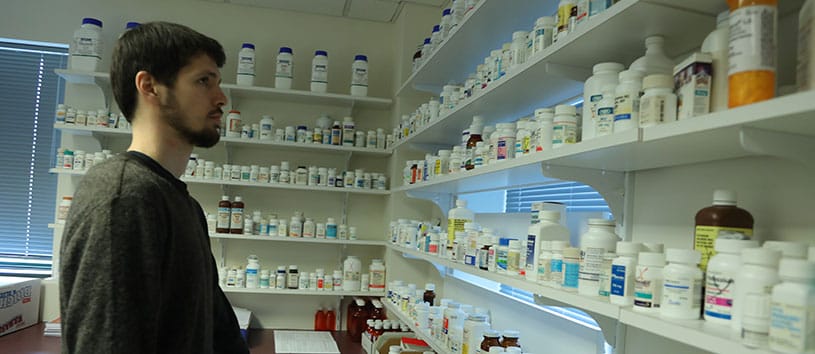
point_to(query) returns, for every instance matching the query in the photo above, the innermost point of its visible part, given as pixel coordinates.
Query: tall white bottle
(548, 228)
(654, 61)
(456, 218)
(603, 74)
(717, 44)
(594, 244)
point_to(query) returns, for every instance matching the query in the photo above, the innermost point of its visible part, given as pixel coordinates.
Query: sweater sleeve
(227, 336)
(110, 276)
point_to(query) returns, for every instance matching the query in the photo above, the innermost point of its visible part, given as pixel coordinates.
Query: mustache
(217, 111)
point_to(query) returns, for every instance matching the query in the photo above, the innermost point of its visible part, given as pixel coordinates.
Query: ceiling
(370, 10)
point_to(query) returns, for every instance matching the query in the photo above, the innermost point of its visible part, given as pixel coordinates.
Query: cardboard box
(692, 83)
(384, 342)
(19, 303)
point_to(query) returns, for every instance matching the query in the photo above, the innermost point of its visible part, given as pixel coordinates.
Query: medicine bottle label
(246, 65)
(283, 68)
(618, 280)
(454, 225)
(706, 236)
(591, 264)
(223, 217)
(319, 73)
(752, 39)
(605, 120)
(86, 46)
(647, 292)
(543, 270)
(360, 77)
(564, 133)
(682, 293)
(719, 295)
(556, 271)
(570, 274)
(792, 328)
(652, 110)
(237, 216)
(625, 106)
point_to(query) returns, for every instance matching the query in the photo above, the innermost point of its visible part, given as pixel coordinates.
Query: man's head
(173, 69)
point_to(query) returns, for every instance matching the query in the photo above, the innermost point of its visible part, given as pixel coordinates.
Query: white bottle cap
(727, 245)
(628, 248)
(565, 109)
(551, 215)
(492, 333)
(545, 21)
(657, 81)
(430, 286)
(630, 75)
(519, 35)
(652, 259)
(761, 256)
(724, 197)
(653, 247)
(461, 203)
(238, 198)
(602, 222)
(515, 350)
(678, 255)
(797, 269)
(609, 66)
(796, 250)
(512, 334)
(496, 350)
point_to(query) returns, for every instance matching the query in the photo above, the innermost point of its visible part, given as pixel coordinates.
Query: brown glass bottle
(510, 339)
(429, 295)
(224, 211)
(490, 340)
(475, 138)
(723, 219)
(236, 217)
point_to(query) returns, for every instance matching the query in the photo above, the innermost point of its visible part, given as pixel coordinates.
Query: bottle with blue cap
(246, 65)
(285, 68)
(446, 23)
(319, 72)
(435, 38)
(86, 47)
(359, 76)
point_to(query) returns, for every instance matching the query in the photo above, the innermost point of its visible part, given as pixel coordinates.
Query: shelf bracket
(783, 145)
(610, 184)
(612, 329)
(445, 201)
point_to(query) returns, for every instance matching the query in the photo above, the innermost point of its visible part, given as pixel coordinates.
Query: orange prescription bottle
(752, 56)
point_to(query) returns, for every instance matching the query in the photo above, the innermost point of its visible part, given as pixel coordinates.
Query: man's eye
(203, 81)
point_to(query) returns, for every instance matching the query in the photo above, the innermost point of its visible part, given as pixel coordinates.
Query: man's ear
(147, 87)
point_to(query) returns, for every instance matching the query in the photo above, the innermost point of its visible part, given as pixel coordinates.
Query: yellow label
(454, 225)
(564, 13)
(705, 237)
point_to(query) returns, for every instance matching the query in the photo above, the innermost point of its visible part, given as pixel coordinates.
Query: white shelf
(696, 333)
(557, 73)
(56, 226)
(555, 297)
(102, 80)
(437, 346)
(252, 184)
(301, 96)
(287, 145)
(301, 292)
(104, 131)
(609, 152)
(297, 239)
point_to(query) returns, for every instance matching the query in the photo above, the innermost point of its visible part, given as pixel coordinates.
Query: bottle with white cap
(654, 61)
(717, 43)
(682, 285)
(604, 117)
(789, 249)
(623, 273)
(603, 74)
(757, 276)
(456, 218)
(564, 128)
(658, 103)
(648, 282)
(627, 100)
(792, 323)
(720, 283)
(547, 228)
(518, 49)
(723, 219)
(594, 244)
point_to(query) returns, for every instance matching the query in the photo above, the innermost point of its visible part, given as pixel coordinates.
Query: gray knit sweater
(136, 270)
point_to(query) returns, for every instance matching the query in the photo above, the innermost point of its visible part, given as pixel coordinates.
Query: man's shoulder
(123, 175)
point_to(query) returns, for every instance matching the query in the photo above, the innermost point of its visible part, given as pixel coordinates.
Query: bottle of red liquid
(378, 311)
(319, 320)
(356, 319)
(330, 320)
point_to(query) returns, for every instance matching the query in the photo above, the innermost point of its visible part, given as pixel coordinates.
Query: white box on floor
(19, 303)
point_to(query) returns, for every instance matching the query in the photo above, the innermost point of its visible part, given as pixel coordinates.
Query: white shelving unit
(252, 184)
(298, 239)
(102, 80)
(437, 346)
(298, 292)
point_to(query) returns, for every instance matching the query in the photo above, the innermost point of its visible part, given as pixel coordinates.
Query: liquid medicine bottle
(236, 216)
(722, 219)
(752, 55)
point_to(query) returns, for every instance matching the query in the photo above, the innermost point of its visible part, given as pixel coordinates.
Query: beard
(171, 113)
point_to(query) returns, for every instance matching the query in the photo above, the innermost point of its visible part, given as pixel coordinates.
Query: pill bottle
(594, 244)
(319, 72)
(544, 30)
(570, 269)
(604, 117)
(658, 104)
(510, 339)
(717, 43)
(796, 250)
(752, 55)
(682, 285)
(246, 65)
(603, 74)
(720, 279)
(564, 128)
(293, 278)
(474, 328)
(627, 100)
(284, 71)
(490, 340)
(648, 282)
(623, 273)
(86, 47)
(757, 276)
(359, 76)
(723, 219)
(793, 308)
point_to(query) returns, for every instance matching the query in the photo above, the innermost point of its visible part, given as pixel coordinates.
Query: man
(137, 272)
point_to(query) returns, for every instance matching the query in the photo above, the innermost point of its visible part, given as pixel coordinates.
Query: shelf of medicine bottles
(252, 184)
(287, 145)
(610, 152)
(486, 27)
(556, 297)
(301, 292)
(697, 333)
(237, 92)
(298, 239)
(556, 74)
(102, 79)
(437, 345)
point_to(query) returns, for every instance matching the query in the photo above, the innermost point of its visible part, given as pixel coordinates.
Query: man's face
(193, 106)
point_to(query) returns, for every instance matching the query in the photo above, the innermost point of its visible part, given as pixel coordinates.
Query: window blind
(27, 144)
(575, 196)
